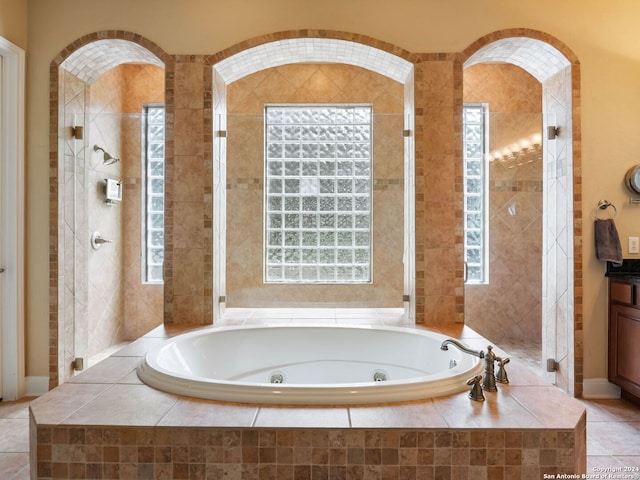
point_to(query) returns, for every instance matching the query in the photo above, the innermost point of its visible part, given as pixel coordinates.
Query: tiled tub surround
(106, 424)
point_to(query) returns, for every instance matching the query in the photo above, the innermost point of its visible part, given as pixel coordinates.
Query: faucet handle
(501, 376)
(97, 240)
(476, 389)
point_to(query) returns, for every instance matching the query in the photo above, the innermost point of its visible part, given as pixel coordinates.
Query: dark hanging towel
(608, 248)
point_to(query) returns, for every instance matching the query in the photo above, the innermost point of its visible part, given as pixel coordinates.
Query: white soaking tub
(308, 364)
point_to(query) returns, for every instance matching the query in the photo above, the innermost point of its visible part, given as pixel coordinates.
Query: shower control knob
(97, 241)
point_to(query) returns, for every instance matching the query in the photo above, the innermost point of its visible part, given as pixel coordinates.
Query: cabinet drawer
(621, 292)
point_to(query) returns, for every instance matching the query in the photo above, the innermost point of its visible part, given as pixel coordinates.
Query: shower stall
(102, 296)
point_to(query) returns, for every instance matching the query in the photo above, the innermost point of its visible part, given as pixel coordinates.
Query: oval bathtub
(308, 364)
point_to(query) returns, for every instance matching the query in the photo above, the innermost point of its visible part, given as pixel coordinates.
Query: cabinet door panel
(624, 354)
(628, 347)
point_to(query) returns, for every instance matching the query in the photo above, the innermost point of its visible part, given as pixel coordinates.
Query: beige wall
(601, 35)
(312, 83)
(510, 306)
(13, 21)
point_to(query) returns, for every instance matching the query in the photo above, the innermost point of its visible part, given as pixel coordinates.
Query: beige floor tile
(17, 409)
(15, 435)
(616, 438)
(13, 465)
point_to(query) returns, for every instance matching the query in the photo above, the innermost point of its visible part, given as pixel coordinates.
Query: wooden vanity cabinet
(624, 336)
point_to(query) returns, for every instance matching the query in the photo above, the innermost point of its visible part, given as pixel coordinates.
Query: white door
(1, 224)
(12, 374)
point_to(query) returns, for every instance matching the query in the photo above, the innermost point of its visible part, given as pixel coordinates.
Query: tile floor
(14, 440)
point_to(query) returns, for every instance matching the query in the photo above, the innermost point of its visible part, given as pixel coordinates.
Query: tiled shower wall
(312, 83)
(143, 303)
(121, 307)
(105, 316)
(104, 299)
(509, 307)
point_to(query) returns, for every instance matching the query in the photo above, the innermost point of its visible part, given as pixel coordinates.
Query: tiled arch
(327, 35)
(105, 50)
(89, 62)
(303, 50)
(535, 56)
(111, 44)
(280, 48)
(521, 33)
(543, 55)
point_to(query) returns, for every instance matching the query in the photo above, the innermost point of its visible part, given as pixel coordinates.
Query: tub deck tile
(109, 370)
(423, 414)
(64, 400)
(193, 412)
(124, 405)
(548, 404)
(526, 429)
(499, 410)
(294, 417)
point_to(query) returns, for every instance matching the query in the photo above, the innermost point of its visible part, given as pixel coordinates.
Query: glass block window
(318, 193)
(153, 195)
(475, 192)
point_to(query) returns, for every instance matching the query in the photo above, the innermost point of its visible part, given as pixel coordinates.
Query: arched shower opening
(556, 69)
(99, 87)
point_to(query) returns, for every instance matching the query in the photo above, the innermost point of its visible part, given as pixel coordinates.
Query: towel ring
(603, 205)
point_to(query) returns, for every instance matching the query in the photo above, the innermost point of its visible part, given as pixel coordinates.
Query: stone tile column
(188, 260)
(439, 266)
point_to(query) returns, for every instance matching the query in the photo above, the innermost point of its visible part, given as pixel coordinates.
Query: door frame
(12, 332)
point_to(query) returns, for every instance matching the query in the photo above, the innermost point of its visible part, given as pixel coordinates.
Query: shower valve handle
(97, 241)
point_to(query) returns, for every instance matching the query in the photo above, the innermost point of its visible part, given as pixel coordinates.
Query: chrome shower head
(107, 158)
